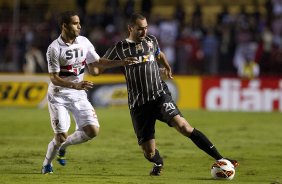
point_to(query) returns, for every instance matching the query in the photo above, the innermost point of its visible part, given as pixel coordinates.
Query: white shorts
(82, 111)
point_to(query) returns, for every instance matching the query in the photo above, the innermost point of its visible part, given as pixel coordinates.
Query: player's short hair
(134, 17)
(65, 17)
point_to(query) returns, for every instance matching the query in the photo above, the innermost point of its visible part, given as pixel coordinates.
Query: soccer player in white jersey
(67, 58)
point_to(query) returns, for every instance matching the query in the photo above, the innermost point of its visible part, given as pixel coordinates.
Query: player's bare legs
(181, 125)
(61, 137)
(88, 132)
(152, 154)
(91, 130)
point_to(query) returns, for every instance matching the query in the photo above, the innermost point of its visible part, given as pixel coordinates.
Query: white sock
(76, 138)
(51, 152)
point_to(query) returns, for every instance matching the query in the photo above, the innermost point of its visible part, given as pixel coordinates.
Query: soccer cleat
(47, 169)
(61, 157)
(157, 169)
(234, 162)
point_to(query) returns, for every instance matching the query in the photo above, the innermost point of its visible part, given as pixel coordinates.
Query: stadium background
(254, 138)
(208, 48)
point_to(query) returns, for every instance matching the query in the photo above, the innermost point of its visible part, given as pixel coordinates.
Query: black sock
(157, 159)
(204, 144)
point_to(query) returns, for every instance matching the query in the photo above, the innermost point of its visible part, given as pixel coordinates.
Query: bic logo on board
(22, 93)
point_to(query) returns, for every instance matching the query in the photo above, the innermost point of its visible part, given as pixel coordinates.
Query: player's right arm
(109, 60)
(99, 66)
(58, 81)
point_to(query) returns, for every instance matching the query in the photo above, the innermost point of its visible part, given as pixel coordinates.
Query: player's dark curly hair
(134, 17)
(65, 17)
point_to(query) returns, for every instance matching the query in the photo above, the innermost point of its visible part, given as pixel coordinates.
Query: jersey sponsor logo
(145, 58)
(149, 57)
(74, 53)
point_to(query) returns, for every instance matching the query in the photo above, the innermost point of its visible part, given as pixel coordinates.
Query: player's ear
(64, 25)
(130, 28)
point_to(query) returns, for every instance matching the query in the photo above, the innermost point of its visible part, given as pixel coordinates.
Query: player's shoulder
(119, 44)
(151, 37)
(54, 45)
(82, 39)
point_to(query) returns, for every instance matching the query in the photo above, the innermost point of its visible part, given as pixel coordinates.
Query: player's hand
(130, 60)
(165, 73)
(83, 85)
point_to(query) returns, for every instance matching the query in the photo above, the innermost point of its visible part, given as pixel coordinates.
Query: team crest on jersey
(150, 44)
(76, 69)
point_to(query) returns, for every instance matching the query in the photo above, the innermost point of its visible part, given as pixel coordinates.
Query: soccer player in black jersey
(148, 95)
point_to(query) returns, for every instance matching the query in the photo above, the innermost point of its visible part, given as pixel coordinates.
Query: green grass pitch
(255, 139)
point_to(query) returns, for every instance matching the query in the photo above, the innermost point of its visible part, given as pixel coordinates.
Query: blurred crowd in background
(247, 44)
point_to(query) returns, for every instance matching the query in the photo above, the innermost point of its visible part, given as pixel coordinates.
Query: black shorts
(144, 117)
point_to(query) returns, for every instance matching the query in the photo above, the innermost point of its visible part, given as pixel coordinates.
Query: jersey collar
(130, 41)
(61, 42)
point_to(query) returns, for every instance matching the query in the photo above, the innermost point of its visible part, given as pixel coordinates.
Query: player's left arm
(161, 58)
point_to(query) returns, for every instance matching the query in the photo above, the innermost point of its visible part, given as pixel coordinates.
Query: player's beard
(73, 34)
(76, 33)
(140, 38)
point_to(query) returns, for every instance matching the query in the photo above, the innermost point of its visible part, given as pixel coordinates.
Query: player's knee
(93, 134)
(91, 131)
(184, 127)
(60, 138)
(186, 130)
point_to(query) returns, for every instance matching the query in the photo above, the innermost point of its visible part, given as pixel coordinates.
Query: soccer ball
(223, 169)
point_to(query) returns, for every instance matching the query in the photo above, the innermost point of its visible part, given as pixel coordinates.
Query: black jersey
(143, 79)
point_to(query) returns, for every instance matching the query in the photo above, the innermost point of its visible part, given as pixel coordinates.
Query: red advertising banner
(233, 94)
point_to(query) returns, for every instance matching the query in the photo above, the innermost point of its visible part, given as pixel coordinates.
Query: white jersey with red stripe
(69, 61)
